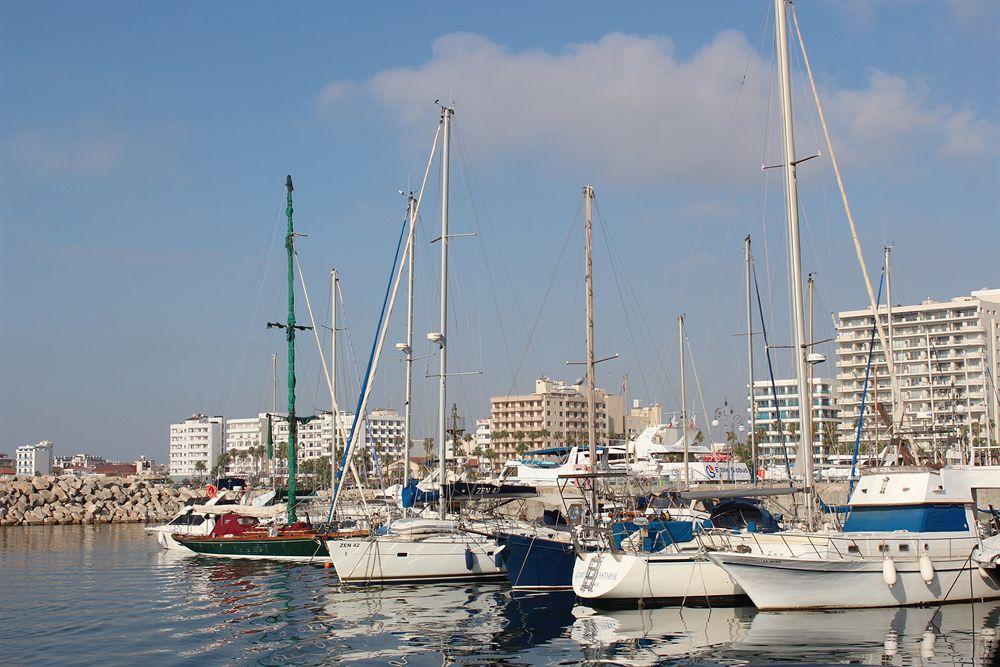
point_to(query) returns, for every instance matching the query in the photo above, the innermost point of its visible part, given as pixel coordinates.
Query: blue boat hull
(536, 563)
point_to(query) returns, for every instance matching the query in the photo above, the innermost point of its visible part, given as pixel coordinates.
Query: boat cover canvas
(912, 518)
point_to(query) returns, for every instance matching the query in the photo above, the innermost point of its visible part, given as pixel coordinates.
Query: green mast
(290, 327)
(293, 423)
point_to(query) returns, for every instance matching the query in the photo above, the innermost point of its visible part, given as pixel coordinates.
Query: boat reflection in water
(949, 634)
(648, 636)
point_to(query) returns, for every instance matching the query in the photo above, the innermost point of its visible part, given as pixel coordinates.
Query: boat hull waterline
(439, 558)
(537, 563)
(616, 578)
(300, 549)
(799, 583)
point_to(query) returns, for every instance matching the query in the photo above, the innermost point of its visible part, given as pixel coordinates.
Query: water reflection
(91, 594)
(649, 636)
(952, 634)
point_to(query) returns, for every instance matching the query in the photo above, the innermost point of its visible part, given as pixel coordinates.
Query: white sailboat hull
(801, 583)
(651, 577)
(392, 560)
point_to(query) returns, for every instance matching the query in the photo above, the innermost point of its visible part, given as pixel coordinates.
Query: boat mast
(588, 204)
(446, 116)
(753, 434)
(270, 417)
(890, 357)
(684, 417)
(408, 345)
(333, 373)
(290, 327)
(795, 254)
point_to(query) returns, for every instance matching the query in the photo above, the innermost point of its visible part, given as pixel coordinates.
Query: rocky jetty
(48, 500)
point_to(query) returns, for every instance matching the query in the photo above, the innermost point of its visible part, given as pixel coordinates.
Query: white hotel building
(34, 459)
(824, 419)
(947, 359)
(383, 427)
(198, 438)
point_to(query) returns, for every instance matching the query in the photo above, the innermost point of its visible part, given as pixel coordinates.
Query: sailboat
(422, 549)
(240, 534)
(541, 557)
(911, 535)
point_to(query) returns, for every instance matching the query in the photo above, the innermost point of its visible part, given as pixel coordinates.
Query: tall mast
(446, 116)
(811, 285)
(333, 372)
(753, 434)
(795, 253)
(930, 390)
(274, 383)
(588, 204)
(684, 415)
(408, 398)
(293, 423)
(889, 356)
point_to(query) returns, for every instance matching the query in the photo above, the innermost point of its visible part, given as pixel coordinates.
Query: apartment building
(824, 419)
(34, 459)
(640, 417)
(947, 360)
(197, 439)
(556, 413)
(383, 428)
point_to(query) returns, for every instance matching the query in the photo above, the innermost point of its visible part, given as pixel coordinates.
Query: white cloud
(967, 135)
(628, 108)
(88, 153)
(336, 94)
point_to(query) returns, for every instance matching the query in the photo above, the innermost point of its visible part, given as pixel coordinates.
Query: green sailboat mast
(290, 327)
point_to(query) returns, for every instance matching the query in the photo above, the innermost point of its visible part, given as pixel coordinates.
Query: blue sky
(145, 146)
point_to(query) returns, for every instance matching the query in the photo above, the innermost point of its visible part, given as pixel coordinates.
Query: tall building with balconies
(947, 362)
(196, 439)
(552, 416)
(766, 413)
(34, 459)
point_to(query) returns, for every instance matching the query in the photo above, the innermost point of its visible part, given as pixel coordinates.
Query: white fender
(927, 644)
(889, 572)
(926, 568)
(891, 643)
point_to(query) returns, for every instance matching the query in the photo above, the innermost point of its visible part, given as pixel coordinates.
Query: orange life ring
(210, 490)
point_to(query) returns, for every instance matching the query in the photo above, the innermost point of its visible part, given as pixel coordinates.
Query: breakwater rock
(48, 500)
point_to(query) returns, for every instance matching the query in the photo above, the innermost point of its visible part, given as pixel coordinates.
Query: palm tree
(200, 468)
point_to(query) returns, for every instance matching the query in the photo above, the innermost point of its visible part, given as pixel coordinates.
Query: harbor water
(108, 594)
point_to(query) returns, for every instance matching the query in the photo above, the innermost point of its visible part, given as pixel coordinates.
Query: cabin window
(401, 554)
(904, 547)
(883, 547)
(853, 549)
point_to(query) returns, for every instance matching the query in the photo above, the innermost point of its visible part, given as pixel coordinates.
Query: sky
(145, 147)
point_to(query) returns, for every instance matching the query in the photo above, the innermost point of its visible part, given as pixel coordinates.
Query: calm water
(86, 594)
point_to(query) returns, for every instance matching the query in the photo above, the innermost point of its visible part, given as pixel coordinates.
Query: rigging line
(740, 175)
(697, 383)
(642, 315)
(472, 179)
(621, 297)
(570, 337)
(712, 183)
(545, 298)
(350, 342)
(387, 304)
(244, 352)
(770, 369)
(766, 174)
(898, 406)
(864, 397)
(322, 357)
